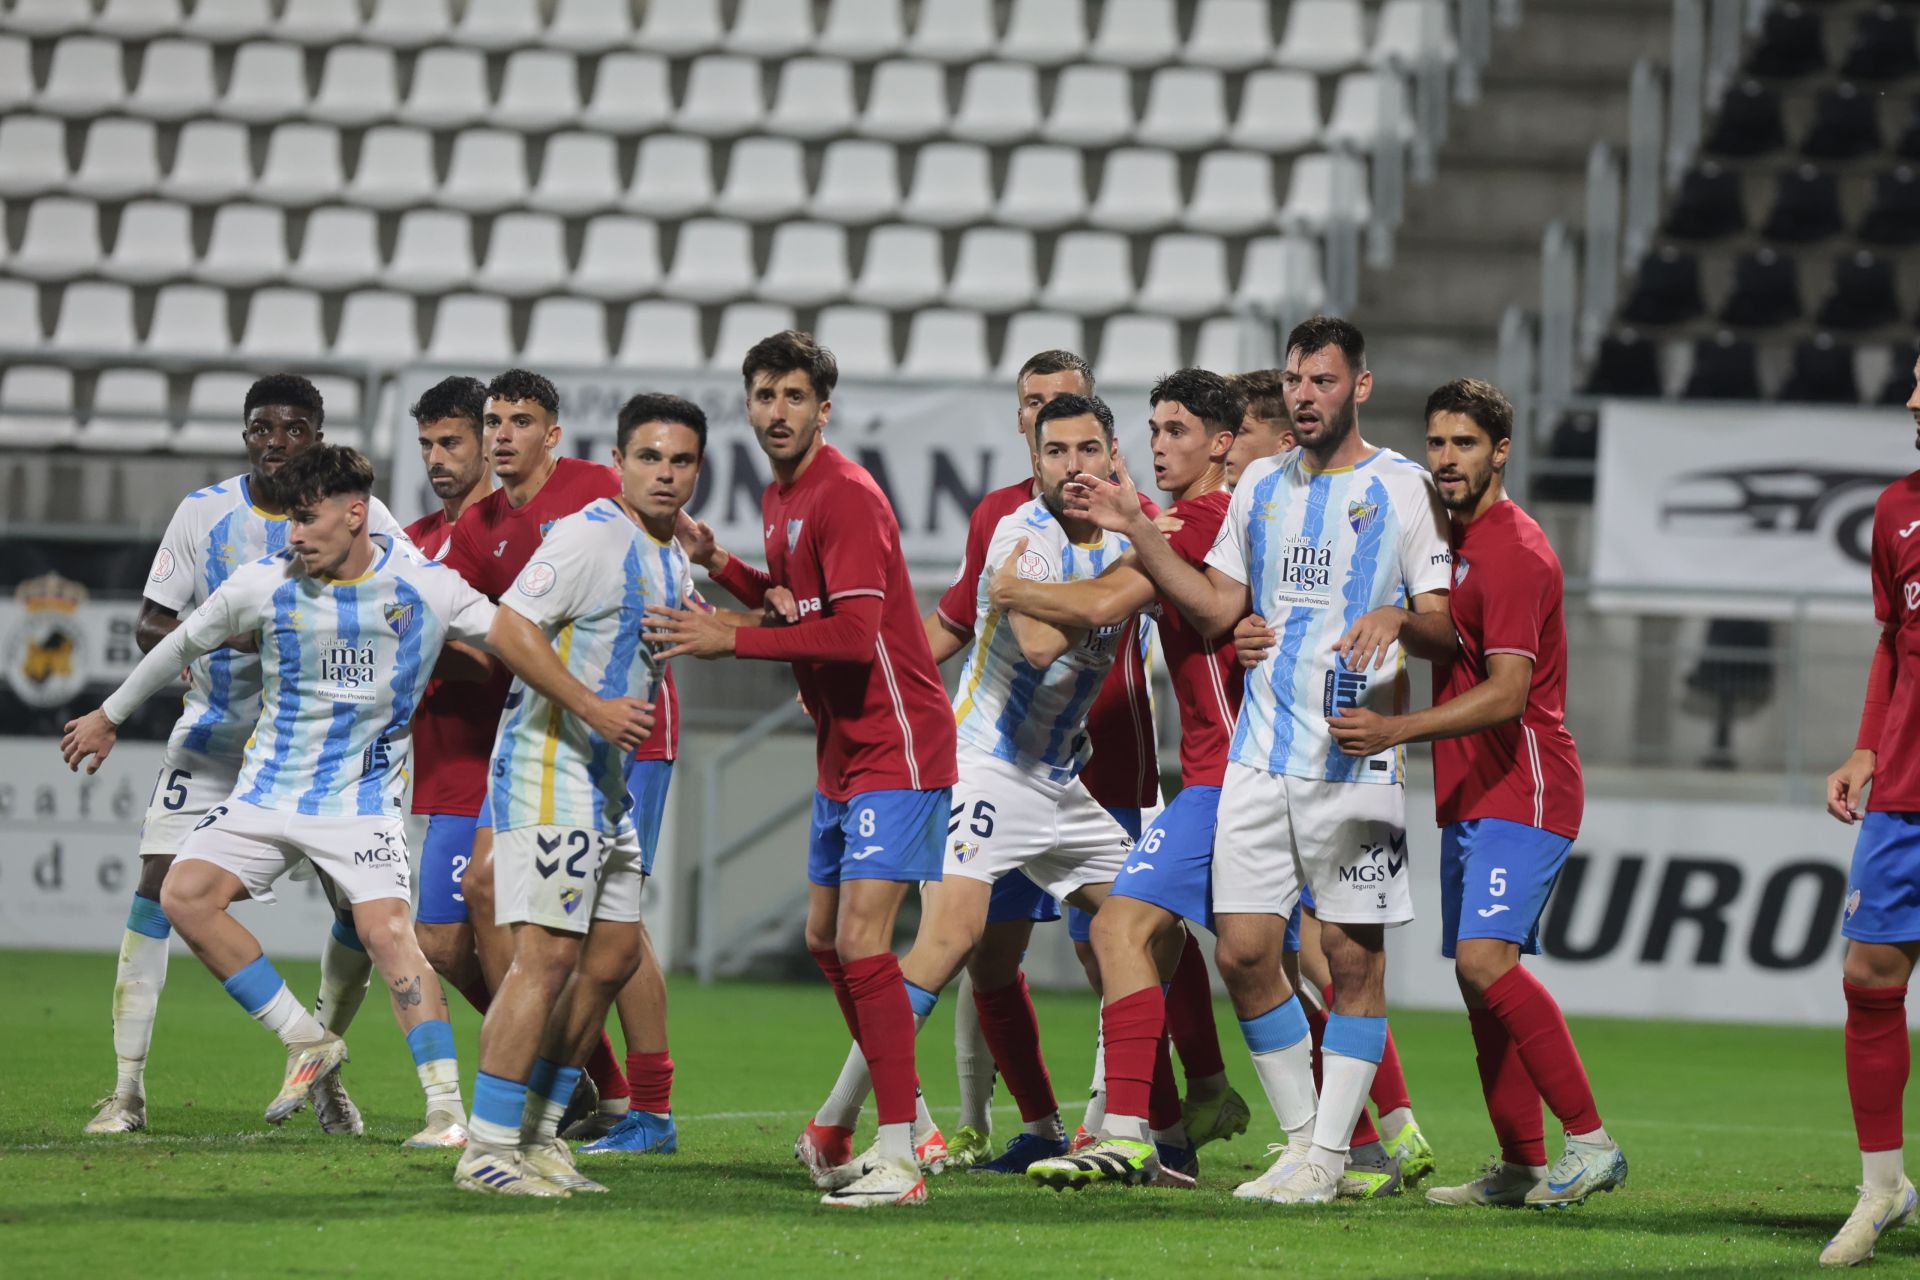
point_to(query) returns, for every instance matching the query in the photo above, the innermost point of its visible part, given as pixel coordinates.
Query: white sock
(896, 1142)
(922, 1118)
(137, 983)
(1095, 1120)
(972, 1061)
(849, 1093)
(1286, 1076)
(1592, 1138)
(1394, 1121)
(344, 970)
(440, 1079)
(1048, 1126)
(614, 1106)
(286, 1018)
(1879, 1170)
(545, 1114)
(1343, 1091)
(1128, 1128)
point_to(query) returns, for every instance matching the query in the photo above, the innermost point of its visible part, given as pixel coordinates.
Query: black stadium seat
(1846, 125)
(1883, 46)
(1822, 373)
(1765, 293)
(1667, 289)
(1749, 124)
(1894, 216)
(1791, 44)
(1863, 295)
(1907, 147)
(1806, 206)
(1708, 206)
(1724, 368)
(1899, 385)
(1628, 365)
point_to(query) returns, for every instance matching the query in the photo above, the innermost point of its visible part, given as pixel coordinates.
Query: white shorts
(364, 857)
(1006, 820)
(189, 785)
(1347, 841)
(566, 877)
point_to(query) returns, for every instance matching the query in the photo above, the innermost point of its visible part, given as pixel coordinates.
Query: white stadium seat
(1186, 107)
(1322, 36)
(907, 101)
(1219, 345)
(1092, 107)
(765, 180)
(861, 339)
(741, 325)
(994, 270)
(540, 91)
(341, 249)
(37, 406)
(378, 326)
(807, 264)
(862, 30)
(1139, 191)
(1230, 34)
(154, 243)
(814, 98)
(661, 335)
(213, 413)
(1232, 193)
(395, 170)
(138, 19)
(210, 162)
(488, 171)
(629, 94)
(1356, 118)
(526, 255)
(121, 159)
(471, 328)
(358, 85)
(282, 324)
(50, 17)
(499, 24)
(247, 246)
(1092, 273)
(902, 268)
(1031, 332)
(320, 22)
(1047, 32)
(1000, 102)
(948, 345)
(859, 182)
(1322, 184)
(569, 332)
(590, 26)
(673, 176)
(682, 27)
(1186, 276)
(723, 96)
(303, 165)
(16, 73)
(951, 185)
(33, 154)
(712, 262)
(1279, 111)
(1136, 33)
(1045, 187)
(62, 239)
(579, 173)
(128, 411)
(1281, 274)
(19, 315)
(771, 28)
(408, 24)
(268, 82)
(449, 89)
(432, 252)
(85, 77)
(1406, 30)
(1137, 349)
(189, 320)
(954, 31)
(228, 21)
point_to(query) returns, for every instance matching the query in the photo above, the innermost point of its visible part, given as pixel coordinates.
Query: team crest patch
(1460, 568)
(793, 533)
(399, 617)
(1853, 903)
(569, 899)
(964, 849)
(162, 566)
(537, 579)
(1033, 566)
(1361, 515)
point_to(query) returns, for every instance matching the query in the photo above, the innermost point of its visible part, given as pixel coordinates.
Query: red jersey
(1508, 594)
(832, 539)
(1890, 724)
(1124, 772)
(432, 533)
(1206, 678)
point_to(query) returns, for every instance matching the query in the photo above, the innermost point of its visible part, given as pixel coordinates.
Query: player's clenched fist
(91, 735)
(1847, 787)
(1252, 640)
(625, 722)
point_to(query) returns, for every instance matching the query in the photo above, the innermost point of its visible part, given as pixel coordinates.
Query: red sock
(1877, 1061)
(1163, 1103)
(1012, 1031)
(1363, 1130)
(829, 962)
(604, 1068)
(879, 995)
(475, 990)
(1513, 1104)
(1132, 1028)
(1190, 1015)
(650, 1077)
(1540, 1034)
(1389, 1081)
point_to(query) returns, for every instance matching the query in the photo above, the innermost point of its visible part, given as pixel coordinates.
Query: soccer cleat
(306, 1064)
(596, 1124)
(823, 1148)
(1500, 1185)
(446, 1130)
(1415, 1154)
(969, 1147)
(501, 1171)
(553, 1161)
(886, 1182)
(582, 1105)
(639, 1134)
(1372, 1179)
(1082, 1140)
(1215, 1119)
(119, 1113)
(1121, 1160)
(1022, 1152)
(931, 1151)
(1876, 1212)
(1292, 1179)
(333, 1108)
(1179, 1166)
(1580, 1171)
(1256, 1188)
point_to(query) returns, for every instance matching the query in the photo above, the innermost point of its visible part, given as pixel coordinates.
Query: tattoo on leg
(408, 994)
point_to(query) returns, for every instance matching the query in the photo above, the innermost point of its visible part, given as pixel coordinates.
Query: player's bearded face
(1463, 459)
(1069, 446)
(321, 532)
(455, 452)
(786, 414)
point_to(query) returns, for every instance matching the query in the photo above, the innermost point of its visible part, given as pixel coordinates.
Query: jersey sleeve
(1426, 557)
(1880, 559)
(170, 580)
(466, 554)
(1514, 607)
(1229, 553)
(469, 614)
(380, 520)
(556, 586)
(958, 607)
(855, 547)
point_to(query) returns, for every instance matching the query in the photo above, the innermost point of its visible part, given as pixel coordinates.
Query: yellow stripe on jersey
(985, 640)
(563, 646)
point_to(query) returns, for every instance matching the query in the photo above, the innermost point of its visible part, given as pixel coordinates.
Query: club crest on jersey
(399, 617)
(569, 899)
(1460, 568)
(1033, 566)
(162, 566)
(1853, 903)
(793, 534)
(964, 849)
(1361, 515)
(1306, 573)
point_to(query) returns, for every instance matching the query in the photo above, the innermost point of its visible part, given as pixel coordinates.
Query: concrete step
(1474, 199)
(1538, 122)
(1445, 285)
(1578, 39)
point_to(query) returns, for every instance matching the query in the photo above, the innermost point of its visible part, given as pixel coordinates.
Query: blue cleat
(1025, 1149)
(640, 1134)
(1179, 1166)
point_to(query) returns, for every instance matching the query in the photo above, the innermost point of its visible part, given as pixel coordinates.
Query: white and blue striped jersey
(1317, 550)
(1035, 717)
(343, 666)
(588, 588)
(214, 531)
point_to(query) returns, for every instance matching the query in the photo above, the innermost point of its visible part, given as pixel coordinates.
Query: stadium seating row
(1794, 42)
(1727, 366)
(1805, 206)
(1845, 123)
(131, 409)
(1764, 291)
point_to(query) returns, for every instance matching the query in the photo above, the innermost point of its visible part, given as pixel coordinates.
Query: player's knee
(1875, 966)
(187, 902)
(1241, 963)
(1478, 968)
(819, 939)
(387, 937)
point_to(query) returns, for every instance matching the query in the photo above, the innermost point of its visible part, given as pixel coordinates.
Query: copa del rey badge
(45, 650)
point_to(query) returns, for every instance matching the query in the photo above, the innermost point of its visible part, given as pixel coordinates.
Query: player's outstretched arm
(1499, 699)
(743, 581)
(93, 735)
(1106, 601)
(1212, 601)
(521, 645)
(1425, 631)
(942, 638)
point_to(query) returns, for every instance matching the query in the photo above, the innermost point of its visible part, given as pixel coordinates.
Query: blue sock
(554, 1082)
(147, 919)
(431, 1042)
(922, 1000)
(254, 987)
(497, 1107)
(1280, 1027)
(343, 933)
(1353, 1037)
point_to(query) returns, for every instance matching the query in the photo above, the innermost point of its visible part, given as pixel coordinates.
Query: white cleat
(1877, 1211)
(1300, 1181)
(119, 1113)
(554, 1162)
(307, 1065)
(333, 1108)
(852, 1171)
(1257, 1188)
(501, 1171)
(446, 1130)
(1500, 1185)
(889, 1182)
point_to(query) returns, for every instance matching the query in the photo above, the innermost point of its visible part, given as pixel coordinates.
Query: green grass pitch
(1739, 1138)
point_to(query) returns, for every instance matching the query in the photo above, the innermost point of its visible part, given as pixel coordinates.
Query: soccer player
(454, 448)
(571, 853)
(213, 532)
(884, 735)
(1265, 429)
(1343, 543)
(346, 623)
(1882, 930)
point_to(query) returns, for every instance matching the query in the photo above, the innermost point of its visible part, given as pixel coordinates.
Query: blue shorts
(1495, 876)
(1883, 884)
(1017, 898)
(1171, 865)
(443, 861)
(878, 835)
(647, 784)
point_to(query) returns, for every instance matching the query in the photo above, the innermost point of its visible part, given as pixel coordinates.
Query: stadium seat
(1186, 276)
(672, 177)
(176, 80)
(1231, 35)
(499, 24)
(540, 91)
(188, 320)
(1749, 123)
(859, 182)
(526, 255)
(50, 17)
(950, 185)
(33, 154)
(807, 264)
(154, 243)
(681, 28)
(1139, 191)
(1279, 111)
(268, 82)
(1883, 46)
(619, 257)
(1846, 125)
(862, 30)
(488, 171)
(340, 250)
(1765, 292)
(1323, 186)
(1907, 145)
(994, 270)
(1821, 373)
(1045, 188)
(1046, 32)
(1092, 107)
(1281, 275)
(661, 335)
(303, 165)
(1862, 295)
(320, 22)
(19, 316)
(1792, 44)
(1000, 102)
(1136, 350)
(1136, 33)
(1627, 365)
(396, 169)
(128, 411)
(954, 31)
(1405, 31)
(722, 97)
(1357, 119)
(248, 246)
(569, 332)
(432, 252)
(1232, 193)
(902, 268)
(471, 328)
(1724, 368)
(210, 162)
(765, 180)
(629, 94)
(378, 326)
(359, 84)
(449, 89)
(949, 345)
(1709, 204)
(1806, 206)
(342, 398)
(1186, 107)
(85, 77)
(16, 73)
(62, 239)
(1031, 332)
(228, 21)
(213, 413)
(712, 262)
(408, 24)
(771, 28)
(1092, 273)
(138, 19)
(907, 102)
(579, 173)
(861, 339)
(1893, 218)
(1219, 344)
(282, 324)
(814, 98)
(1322, 36)
(1666, 289)
(1898, 388)
(741, 325)
(37, 406)
(121, 159)
(590, 26)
